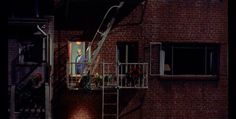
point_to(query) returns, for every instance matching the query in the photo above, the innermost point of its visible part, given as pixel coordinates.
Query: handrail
(45, 34)
(132, 75)
(13, 65)
(133, 63)
(105, 16)
(28, 74)
(114, 6)
(109, 26)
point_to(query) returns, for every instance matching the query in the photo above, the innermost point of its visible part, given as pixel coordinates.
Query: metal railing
(28, 101)
(132, 75)
(124, 75)
(109, 74)
(74, 76)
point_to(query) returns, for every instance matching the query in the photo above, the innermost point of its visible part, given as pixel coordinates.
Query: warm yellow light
(81, 112)
(167, 67)
(78, 43)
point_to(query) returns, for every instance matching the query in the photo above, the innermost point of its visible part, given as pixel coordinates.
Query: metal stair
(23, 82)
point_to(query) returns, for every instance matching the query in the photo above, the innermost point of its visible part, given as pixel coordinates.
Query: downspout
(45, 75)
(45, 59)
(37, 8)
(44, 43)
(41, 30)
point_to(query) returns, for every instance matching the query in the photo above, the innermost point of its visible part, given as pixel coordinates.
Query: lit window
(77, 54)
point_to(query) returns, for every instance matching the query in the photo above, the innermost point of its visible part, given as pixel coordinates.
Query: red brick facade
(186, 21)
(199, 21)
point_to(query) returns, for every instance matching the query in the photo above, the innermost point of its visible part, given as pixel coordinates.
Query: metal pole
(103, 92)
(41, 30)
(47, 102)
(147, 75)
(12, 104)
(117, 104)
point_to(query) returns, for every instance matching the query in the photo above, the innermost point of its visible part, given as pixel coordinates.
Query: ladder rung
(110, 86)
(111, 93)
(109, 103)
(109, 114)
(100, 32)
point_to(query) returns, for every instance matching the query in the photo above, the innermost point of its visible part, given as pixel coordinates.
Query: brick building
(180, 46)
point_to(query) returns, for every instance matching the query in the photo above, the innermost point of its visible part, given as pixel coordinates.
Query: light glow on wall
(78, 43)
(81, 113)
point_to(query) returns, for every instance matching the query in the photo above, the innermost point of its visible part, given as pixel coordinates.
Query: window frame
(213, 46)
(150, 59)
(127, 49)
(71, 57)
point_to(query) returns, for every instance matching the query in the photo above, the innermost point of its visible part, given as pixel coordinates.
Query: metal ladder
(110, 102)
(110, 94)
(100, 36)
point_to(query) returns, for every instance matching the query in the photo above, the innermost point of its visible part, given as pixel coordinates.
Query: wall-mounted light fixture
(78, 43)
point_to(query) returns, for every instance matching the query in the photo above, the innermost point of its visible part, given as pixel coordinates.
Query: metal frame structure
(47, 51)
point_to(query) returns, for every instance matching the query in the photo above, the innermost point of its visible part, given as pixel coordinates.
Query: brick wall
(78, 105)
(197, 21)
(181, 20)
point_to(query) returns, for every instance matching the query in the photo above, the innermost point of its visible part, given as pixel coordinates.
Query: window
(127, 52)
(73, 54)
(187, 59)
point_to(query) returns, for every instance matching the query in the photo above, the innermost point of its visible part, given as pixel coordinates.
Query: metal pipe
(41, 30)
(27, 21)
(12, 105)
(37, 8)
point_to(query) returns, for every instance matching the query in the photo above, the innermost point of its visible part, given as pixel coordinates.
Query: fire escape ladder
(110, 102)
(110, 93)
(100, 37)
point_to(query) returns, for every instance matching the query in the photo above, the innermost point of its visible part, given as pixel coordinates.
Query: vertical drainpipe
(37, 8)
(51, 63)
(47, 85)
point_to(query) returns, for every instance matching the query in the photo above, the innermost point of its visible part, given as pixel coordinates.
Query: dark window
(127, 52)
(194, 59)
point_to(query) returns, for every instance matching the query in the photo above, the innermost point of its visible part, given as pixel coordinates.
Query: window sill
(188, 77)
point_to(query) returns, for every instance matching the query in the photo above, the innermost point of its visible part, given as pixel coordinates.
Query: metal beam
(27, 21)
